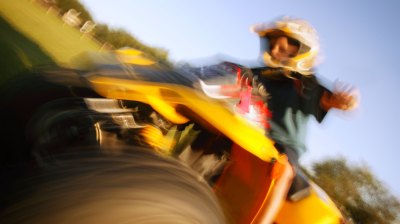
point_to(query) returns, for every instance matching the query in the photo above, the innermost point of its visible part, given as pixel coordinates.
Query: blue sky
(359, 42)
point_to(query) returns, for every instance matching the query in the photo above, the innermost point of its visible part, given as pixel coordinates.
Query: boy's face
(283, 48)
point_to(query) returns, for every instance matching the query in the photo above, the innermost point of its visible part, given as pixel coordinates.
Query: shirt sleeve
(312, 92)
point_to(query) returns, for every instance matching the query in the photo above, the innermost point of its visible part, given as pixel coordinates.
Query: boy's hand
(343, 97)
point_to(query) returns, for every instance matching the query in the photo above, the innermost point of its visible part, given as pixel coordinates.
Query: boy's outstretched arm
(342, 98)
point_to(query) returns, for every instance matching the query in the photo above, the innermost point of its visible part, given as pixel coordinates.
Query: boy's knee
(289, 172)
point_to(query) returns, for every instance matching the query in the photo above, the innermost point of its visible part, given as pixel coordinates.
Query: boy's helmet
(297, 29)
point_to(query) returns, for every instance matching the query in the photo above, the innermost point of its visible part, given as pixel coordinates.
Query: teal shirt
(292, 102)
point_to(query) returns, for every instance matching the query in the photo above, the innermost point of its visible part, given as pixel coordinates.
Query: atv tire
(122, 185)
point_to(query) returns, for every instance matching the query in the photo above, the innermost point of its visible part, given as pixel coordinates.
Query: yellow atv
(140, 143)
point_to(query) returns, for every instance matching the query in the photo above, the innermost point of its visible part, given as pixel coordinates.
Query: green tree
(360, 196)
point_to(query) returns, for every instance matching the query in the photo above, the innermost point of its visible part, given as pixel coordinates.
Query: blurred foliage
(117, 38)
(361, 197)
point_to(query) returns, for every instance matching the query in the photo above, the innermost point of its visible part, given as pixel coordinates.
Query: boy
(289, 49)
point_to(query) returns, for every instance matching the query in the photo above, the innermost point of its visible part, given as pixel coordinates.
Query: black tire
(61, 124)
(126, 185)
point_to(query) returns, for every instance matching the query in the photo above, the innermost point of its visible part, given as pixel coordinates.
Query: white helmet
(297, 29)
